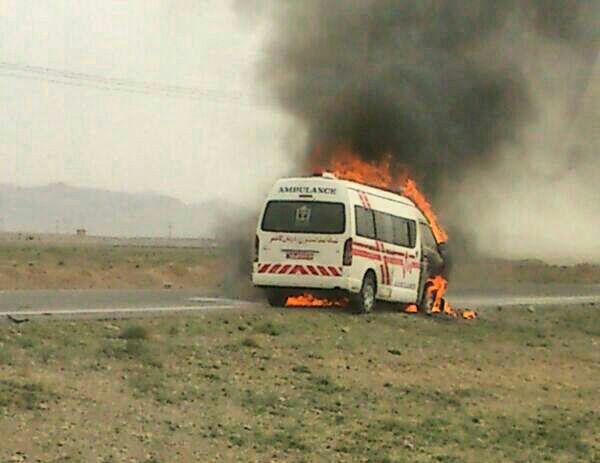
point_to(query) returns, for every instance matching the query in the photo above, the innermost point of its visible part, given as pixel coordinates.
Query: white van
(324, 235)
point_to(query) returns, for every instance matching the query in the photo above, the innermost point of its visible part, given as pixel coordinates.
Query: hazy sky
(221, 143)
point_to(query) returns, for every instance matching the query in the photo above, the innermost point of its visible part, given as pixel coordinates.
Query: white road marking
(212, 304)
(213, 300)
(482, 302)
(115, 310)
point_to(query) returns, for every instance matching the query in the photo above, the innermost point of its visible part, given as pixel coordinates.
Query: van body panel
(302, 257)
(304, 228)
(397, 266)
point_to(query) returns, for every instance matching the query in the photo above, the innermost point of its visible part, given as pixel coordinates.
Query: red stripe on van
(334, 271)
(367, 246)
(299, 269)
(377, 248)
(312, 270)
(288, 269)
(395, 253)
(284, 269)
(364, 199)
(262, 268)
(394, 260)
(323, 270)
(367, 200)
(366, 254)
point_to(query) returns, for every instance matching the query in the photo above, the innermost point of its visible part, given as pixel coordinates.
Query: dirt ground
(482, 272)
(304, 386)
(35, 266)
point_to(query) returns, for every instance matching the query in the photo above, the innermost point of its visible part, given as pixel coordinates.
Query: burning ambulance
(323, 240)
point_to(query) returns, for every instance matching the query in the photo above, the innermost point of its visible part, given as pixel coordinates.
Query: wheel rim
(368, 297)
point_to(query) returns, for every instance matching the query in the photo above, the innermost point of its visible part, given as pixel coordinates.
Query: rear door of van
(301, 235)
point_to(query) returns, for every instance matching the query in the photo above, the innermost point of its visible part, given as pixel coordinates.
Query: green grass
(305, 386)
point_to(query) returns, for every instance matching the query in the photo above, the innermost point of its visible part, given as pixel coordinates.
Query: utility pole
(170, 230)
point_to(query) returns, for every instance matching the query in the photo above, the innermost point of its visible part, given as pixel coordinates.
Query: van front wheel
(364, 301)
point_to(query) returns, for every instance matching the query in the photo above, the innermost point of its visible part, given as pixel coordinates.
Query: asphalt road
(526, 294)
(135, 303)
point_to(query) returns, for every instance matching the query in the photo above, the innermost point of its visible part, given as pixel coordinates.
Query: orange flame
(310, 300)
(412, 192)
(439, 285)
(469, 314)
(411, 309)
(345, 164)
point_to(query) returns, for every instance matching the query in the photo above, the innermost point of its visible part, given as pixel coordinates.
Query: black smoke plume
(435, 84)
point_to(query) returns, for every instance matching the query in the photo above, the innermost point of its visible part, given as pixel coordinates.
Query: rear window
(304, 217)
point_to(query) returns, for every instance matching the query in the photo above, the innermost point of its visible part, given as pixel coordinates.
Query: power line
(83, 80)
(97, 79)
(74, 83)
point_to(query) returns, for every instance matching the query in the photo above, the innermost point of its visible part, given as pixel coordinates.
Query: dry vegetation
(302, 385)
(478, 273)
(33, 266)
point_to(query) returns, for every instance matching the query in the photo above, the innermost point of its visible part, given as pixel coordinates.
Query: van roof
(382, 192)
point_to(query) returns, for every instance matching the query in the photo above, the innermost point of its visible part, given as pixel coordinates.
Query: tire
(364, 301)
(276, 297)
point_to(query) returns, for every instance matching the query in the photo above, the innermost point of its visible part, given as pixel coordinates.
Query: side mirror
(443, 250)
(447, 264)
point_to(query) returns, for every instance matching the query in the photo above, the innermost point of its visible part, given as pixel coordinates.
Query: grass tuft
(250, 342)
(22, 395)
(270, 328)
(134, 332)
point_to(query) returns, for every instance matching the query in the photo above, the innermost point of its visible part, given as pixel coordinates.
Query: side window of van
(412, 231)
(384, 224)
(401, 232)
(365, 224)
(405, 232)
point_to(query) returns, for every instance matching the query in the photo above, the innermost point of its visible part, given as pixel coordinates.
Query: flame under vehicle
(341, 239)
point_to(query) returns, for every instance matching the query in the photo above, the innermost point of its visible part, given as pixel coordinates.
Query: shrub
(134, 332)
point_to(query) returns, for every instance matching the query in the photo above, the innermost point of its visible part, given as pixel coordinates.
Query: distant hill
(101, 212)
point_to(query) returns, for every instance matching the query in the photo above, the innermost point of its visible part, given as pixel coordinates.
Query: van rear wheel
(276, 297)
(364, 301)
